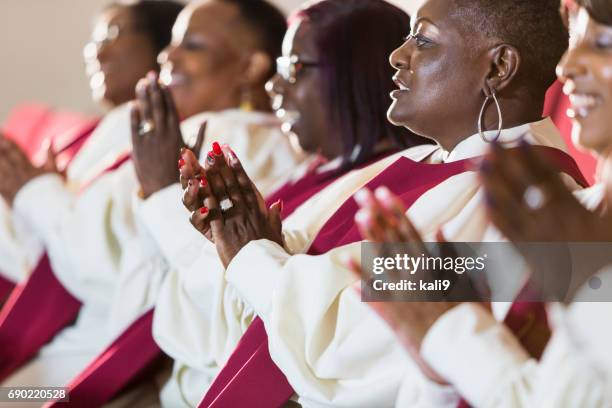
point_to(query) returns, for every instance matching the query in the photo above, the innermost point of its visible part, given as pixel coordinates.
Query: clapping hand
(156, 136)
(16, 170)
(382, 219)
(226, 206)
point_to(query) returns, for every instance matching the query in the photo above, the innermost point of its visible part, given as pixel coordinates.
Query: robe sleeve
(20, 247)
(167, 221)
(44, 216)
(333, 349)
(484, 361)
(569, 376)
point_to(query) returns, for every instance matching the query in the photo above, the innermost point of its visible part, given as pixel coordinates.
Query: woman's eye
(421, 41)
(604, 43)
(192, 45)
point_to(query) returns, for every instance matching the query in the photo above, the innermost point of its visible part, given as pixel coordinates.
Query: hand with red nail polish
(196, 192)
(248, 218)
(382, 219)
(16, 170)
(158, 146)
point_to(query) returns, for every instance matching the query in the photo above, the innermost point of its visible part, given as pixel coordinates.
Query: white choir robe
(485, 362)
(103, 255)
(20, 249)
(332, 348)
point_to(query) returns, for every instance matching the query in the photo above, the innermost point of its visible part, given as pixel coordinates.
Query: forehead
(216, 20)
(581, 22)
(205, 13)
(440, 13)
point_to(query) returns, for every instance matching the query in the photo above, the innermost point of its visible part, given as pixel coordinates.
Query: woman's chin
(396, 116)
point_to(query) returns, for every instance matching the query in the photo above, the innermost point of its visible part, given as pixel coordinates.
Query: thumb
(275, 219)
(197, 147)
(51, 163)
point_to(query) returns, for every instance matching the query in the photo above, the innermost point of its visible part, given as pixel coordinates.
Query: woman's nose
(400, 58)
(571, 65)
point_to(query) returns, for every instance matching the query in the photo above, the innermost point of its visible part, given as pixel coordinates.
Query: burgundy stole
(135, 349)
(250, 377)
(6, 286)
(36, 311)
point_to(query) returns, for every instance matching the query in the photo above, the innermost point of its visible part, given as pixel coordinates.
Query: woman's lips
(582, 104)
(173, 79)
(401, 84)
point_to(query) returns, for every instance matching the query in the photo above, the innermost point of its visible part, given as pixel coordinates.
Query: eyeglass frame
(289, 67)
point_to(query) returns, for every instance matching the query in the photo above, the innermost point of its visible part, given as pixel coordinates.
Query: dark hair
(267, 23)
(534, 27)
(355, 39)
(599, 10)
(155, 18)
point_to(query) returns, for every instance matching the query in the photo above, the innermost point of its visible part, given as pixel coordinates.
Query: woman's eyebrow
(423, 20)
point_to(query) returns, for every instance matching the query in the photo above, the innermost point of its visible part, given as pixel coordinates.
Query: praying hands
(226, 206)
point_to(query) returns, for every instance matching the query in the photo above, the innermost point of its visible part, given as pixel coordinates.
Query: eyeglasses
(106, 34)
(289, 67)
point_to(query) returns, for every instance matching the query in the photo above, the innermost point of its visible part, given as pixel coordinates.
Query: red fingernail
(181, 163)
(210, 158)
(217, 149)
(203, 182)
(204, 210)
(280, 205)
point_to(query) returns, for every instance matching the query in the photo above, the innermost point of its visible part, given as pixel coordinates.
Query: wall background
(41, 51)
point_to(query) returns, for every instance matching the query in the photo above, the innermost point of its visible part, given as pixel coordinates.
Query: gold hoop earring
(499, 115)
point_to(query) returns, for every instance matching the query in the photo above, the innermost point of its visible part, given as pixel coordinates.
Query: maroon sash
(134, 349)
(125, 359)
(36, 311)
(6, 286)
(250, 377)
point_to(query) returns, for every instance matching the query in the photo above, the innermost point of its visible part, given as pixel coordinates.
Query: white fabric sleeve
(167, 221)
(20, 248)
(567, 375)
(333, 349)
(429, 394)
(480, 357)
(42, 203)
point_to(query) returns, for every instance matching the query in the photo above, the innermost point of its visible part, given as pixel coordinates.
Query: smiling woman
(124, 46)
(219, 58)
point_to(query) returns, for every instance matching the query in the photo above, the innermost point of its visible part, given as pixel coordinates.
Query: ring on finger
(146, 126)
(226, 204)
(535, 198)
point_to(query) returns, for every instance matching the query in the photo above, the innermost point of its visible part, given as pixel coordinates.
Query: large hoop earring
(499, 115)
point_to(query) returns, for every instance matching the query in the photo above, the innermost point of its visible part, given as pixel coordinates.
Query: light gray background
(41, 45)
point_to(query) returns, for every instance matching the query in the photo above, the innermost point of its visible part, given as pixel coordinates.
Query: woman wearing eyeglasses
(125, 42)
(466, 67)
(314, 93)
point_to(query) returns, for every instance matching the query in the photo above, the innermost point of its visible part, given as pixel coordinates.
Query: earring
(246, 104)
(499, 115)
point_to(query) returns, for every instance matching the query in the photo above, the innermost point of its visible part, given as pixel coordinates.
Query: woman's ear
(505, 63)
(258, 68)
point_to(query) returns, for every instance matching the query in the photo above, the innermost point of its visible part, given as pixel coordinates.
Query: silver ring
(534, 198)
(146, 126)
(226, 204)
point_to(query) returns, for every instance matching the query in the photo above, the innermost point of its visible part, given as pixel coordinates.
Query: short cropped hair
(156, 18)
(534, 27)
(267, 23)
